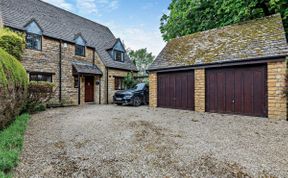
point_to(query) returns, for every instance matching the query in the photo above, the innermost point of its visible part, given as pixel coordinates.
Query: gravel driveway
(113, 141)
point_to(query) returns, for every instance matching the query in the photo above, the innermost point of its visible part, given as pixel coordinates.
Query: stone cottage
(238, 69)
(83, 58)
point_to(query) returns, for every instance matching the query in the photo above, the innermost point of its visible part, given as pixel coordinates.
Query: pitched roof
(262, 37)
(85, 68)
(60, 24)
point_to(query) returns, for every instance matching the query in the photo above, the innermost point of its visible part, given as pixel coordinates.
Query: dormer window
(33, 36)
(118, 56)
(80, 46)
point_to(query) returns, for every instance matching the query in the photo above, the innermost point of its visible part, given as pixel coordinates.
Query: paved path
(114, 141)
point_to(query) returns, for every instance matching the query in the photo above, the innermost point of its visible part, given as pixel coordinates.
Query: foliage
(11, 143)
(190, 16)
(13, 87)
(39, 93)
(142, 59)
(12, 42)
(129, 80)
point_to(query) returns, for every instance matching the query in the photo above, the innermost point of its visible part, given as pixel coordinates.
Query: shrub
(12, 42)
(11, 143)
(13, 87)
(129, 81)
(39, 93)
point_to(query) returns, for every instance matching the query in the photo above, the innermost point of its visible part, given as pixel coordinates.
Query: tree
(190, 16)
(12, 42)
(142, 59)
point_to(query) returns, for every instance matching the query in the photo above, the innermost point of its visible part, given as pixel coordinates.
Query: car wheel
(119, 104)
(137, 101)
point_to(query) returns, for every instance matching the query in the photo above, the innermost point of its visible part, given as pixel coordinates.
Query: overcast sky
(136, 22)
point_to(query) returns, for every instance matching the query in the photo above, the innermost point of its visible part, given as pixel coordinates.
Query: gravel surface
(114, 141)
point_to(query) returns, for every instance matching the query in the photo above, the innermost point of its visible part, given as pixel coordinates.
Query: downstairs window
(119, 83)
(45, 77)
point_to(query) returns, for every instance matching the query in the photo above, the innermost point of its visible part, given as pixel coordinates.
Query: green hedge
(13, 87)
(12, 42)
(11, 143)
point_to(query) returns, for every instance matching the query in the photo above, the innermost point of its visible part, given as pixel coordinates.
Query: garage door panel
(190, 90)
(229, 90)
(220, 100)
(178, 91)
(248, 93)
(243, 90)
(239, 94)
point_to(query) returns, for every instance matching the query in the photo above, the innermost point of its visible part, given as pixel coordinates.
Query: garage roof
(258, 38)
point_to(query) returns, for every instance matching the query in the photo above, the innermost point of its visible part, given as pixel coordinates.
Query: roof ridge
(227, 26)
(71, 13)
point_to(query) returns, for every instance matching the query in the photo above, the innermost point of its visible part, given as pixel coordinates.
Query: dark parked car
(135, 96)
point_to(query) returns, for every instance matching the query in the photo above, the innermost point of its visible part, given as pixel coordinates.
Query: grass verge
(11, 143)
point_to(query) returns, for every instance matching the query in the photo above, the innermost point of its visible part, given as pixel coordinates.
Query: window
(40, 77)
(119, 83)
(79, 46)
(33, 36)
(75, 82)
(79, 50)
(118, 56)
(33, 41)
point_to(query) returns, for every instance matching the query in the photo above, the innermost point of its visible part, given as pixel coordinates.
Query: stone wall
(69, 92)
(46, 60)
(112, 73)
(153, 89)
(277, 102)
(199, 90)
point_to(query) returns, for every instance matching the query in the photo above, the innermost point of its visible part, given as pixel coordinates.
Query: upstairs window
(33, 36)
(44, 77)
(118, 56)
(80, 46)
(33, 41)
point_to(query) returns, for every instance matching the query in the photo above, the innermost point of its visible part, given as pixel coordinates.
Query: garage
(176, 90)
(239, 69)
(237, 90)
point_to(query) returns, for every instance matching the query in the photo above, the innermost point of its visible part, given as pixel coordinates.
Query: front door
(89, 89)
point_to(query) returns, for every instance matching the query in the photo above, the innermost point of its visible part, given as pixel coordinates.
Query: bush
(12, 42)
(129, 81)
(11, 143)
(39, 93)
(13, 87)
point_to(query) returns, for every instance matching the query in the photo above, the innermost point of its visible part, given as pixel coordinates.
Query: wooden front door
(176, 90)
(89, 89)
(237, 90)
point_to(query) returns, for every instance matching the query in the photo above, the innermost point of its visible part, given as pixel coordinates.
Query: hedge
(12, 42)
(13, 87)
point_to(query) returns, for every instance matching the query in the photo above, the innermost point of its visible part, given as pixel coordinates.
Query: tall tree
(190, 16)
(141, 58)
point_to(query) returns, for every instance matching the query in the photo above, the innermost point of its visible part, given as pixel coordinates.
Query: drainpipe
(107, 88)
(60, 71)
(79, 92)
(94, 50)
(100, 85)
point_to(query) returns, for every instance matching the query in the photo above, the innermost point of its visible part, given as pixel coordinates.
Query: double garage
(232, 90)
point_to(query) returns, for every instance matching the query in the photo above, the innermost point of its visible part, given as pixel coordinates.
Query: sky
(136, 22)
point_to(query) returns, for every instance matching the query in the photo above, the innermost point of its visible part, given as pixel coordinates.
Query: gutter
(255, 60)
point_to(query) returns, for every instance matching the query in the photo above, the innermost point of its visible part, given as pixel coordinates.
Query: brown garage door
(176, 90)
(237, 90)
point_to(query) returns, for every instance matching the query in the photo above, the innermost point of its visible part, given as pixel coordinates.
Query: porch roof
(86, 69)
